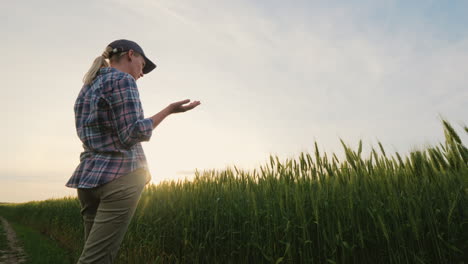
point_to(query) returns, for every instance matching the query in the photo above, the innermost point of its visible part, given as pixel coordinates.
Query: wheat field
(314, 208)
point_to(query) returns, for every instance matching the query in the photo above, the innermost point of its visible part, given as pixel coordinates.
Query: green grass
(313, 208)
(38, 248)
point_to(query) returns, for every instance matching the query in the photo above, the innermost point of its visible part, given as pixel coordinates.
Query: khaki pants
(107, 211)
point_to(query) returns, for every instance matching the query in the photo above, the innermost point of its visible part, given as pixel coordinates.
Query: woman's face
(137, 64)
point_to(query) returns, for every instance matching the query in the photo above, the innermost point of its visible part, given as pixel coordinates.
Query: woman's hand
(179, 107)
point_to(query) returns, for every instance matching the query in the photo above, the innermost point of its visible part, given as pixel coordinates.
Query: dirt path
(15, 253)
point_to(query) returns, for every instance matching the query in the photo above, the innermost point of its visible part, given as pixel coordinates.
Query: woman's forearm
(159, 117)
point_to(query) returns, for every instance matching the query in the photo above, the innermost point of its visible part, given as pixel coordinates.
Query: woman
(113, 169)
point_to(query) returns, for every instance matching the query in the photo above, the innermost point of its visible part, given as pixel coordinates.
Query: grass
(311, 209)
(38, 248)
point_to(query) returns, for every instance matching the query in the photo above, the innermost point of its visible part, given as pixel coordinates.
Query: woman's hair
(101, 62)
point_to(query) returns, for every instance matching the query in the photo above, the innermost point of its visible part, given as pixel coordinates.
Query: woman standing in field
(113, 169)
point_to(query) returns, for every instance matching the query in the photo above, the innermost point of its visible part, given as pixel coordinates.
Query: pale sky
(273, 77)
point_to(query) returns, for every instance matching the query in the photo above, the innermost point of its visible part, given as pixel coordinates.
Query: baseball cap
(122, 45)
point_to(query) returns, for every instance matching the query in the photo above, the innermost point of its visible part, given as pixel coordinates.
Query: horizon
(341, 156)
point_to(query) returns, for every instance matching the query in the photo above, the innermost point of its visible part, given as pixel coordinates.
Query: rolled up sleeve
(128, 114)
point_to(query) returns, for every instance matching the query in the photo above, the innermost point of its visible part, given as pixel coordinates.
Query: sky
(273, 77)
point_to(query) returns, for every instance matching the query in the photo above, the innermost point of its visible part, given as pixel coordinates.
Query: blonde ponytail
(99, 62)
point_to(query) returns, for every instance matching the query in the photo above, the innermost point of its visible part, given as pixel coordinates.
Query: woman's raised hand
(180, 106)
(173, 108)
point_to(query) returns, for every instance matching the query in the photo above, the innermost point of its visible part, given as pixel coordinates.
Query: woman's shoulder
(113, 79)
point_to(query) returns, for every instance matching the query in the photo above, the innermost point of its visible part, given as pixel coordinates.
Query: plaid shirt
(110, 123)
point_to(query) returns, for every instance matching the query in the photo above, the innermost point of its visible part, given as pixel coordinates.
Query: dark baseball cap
(122, 45)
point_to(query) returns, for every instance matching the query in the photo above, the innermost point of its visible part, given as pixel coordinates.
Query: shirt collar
(106, 70)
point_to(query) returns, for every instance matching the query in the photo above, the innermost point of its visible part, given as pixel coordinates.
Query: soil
(14, 254)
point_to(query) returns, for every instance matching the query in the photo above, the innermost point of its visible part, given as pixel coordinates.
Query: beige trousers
(107, 211)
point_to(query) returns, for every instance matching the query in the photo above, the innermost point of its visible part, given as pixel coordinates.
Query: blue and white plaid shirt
(110, 122)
